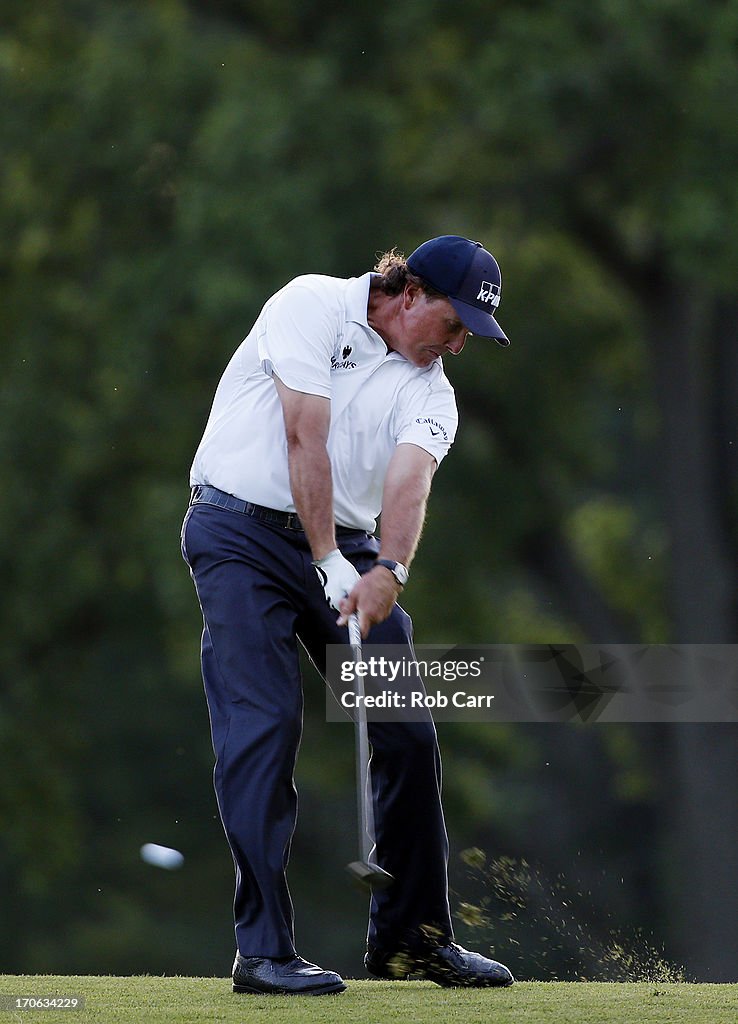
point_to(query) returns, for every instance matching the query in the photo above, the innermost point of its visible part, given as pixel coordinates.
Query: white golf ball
(162, 856)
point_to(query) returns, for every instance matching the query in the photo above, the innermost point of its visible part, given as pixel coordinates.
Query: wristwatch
(398, 570)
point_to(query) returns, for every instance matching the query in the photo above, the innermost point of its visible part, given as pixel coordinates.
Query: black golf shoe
(451, 966)
(289, 975)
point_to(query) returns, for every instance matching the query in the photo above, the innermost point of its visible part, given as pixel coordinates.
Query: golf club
(366, 874)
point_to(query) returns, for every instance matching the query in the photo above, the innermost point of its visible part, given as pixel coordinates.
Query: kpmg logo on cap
(489, 293)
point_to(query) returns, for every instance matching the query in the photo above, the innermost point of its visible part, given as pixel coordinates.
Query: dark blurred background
(164, 167)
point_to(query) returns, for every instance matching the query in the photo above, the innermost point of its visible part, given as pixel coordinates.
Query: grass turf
(156, 1000)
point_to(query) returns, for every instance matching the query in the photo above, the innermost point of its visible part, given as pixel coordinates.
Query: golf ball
(162, 856)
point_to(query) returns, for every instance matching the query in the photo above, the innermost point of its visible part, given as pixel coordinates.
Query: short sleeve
(296, 336)
(429, 419)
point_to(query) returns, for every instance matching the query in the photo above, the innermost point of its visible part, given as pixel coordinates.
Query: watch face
(401, 573)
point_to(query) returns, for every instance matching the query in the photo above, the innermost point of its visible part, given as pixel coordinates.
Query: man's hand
(373, 599)
(338, 577)
(371, 596)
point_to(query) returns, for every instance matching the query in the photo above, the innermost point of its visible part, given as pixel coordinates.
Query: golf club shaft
(363, 778)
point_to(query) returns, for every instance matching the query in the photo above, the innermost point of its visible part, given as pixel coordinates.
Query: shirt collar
(357, 299)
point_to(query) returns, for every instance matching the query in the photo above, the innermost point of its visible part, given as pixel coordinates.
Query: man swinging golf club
(335, 408)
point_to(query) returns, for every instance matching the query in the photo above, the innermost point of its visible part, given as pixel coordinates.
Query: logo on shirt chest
(343, 362)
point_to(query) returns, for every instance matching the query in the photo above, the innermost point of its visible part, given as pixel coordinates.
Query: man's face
(427, 328)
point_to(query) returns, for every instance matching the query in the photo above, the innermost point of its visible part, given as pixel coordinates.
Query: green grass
(155, 1000)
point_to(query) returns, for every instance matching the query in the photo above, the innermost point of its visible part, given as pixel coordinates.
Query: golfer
(335, 408)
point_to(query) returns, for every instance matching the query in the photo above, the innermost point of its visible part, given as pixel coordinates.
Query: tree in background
(602, 146)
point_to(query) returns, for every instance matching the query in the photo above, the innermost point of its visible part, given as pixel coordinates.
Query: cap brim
(479, 322)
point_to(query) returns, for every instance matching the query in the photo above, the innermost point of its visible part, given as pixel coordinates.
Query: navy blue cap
(468, 275)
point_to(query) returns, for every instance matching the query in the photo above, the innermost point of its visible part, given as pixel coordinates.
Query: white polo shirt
(314, 335)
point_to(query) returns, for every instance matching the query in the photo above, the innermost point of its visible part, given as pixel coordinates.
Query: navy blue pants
(258, 592)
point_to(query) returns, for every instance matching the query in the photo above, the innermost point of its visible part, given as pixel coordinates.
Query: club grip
(354, 630)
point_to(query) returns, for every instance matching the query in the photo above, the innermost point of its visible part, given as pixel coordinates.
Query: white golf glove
(337, 576)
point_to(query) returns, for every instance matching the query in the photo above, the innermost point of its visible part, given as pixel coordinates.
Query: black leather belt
(204, 494)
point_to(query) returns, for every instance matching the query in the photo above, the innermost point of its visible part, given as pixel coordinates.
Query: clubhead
(369, 876)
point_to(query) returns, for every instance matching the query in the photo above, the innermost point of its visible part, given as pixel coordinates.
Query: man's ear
(411, 294)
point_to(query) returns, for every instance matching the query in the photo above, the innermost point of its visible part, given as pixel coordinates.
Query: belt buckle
(293, 521)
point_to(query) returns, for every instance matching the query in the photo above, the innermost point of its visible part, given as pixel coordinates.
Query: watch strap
(398, 570)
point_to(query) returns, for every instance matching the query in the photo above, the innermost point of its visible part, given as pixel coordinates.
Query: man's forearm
(312, 492)
(404, 501)
(406, 488)
(306, 422)
(402, 525)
